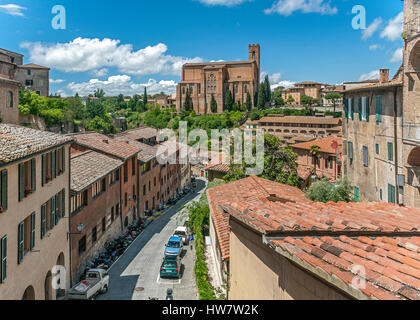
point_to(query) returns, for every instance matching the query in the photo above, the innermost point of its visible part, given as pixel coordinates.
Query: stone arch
(29, 294)
(60, 262)
(414, 57)
(414, 157)
(303, 131)
(48, 290)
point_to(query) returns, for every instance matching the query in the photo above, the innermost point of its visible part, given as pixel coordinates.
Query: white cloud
(226, 3)
(287, 7)
(374, 47)
(371, 29)
(57, 81)
(284, 83)
(12, 9)
(100, 72)
(373, 75)
(84, 54)
(115, 85)
(394, 28)
(275, 80)
(397, 56)
(275, 77)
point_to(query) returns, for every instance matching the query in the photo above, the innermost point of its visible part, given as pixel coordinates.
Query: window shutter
(391, 193)
(360, 108)
(56, 209)
(390, 151)
(351, 108)
(43, 170)
(50, 171)
(21, 182)
(367, 109)
(54, 164)
(33, 174)
(21, 239)
(52, 213)
(3, 262)
(365, 156)
(4, 192)
(32, 242)
(350, 147)
(63, 203)
(63, 159)
(43, 220)
(346, 107)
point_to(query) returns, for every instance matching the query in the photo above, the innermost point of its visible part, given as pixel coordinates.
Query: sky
(123, 46)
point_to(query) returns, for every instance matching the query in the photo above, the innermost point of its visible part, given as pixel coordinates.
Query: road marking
(160, 281)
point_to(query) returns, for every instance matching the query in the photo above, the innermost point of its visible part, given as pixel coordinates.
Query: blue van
(173, 247)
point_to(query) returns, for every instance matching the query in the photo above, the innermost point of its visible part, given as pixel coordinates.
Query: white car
(182, 233)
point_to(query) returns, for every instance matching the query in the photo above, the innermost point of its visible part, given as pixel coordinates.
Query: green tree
(290, 99)
(278, 97)
(95, 109)
(261, 97)
(145, 97)
(267, 90)
(99, 93)
(228, 101)
(325, 191)
(334, 96)
(213, 104)
(248, 102)
(187, 102)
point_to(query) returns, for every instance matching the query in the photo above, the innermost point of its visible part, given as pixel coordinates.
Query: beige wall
(259, 273)
(40, 77)
(9, 115)
(35, 265)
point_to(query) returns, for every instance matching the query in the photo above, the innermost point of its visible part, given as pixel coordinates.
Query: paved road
(135, 275)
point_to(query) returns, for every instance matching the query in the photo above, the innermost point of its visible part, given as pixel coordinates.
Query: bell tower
(411, 17)
(254, 55)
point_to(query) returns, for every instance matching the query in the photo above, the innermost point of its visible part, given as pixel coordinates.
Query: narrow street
(135, 275)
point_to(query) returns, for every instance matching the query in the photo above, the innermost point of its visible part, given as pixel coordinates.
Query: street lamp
(79, 228)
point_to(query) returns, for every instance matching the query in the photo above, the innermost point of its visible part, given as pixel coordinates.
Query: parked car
(171, 267)
(173, 247)
(182, 233)
(96, 282)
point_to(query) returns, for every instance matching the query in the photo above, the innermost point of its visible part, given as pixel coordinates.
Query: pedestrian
(191, 241)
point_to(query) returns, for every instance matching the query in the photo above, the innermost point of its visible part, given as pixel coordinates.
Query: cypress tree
(228, 101)
(187, 103)
(267, 89)
(145, 97)
(248, 103)
(261, 97)
(213, 104)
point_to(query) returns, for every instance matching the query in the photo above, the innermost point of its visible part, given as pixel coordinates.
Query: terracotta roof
(218, 63)
(140, 133)
(325, 144)
(246, 190)
(221, 167)
(301, 119)
(17, 142)
(146, 152)
(378, 85)
(105, 144)
(88, 167)
(330, 239)
(33, 66)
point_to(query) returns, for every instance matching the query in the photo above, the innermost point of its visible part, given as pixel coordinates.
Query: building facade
(35, 78)
(34, 224)
(411, 103)
(204, 80)
(9, 88)
(95, 203)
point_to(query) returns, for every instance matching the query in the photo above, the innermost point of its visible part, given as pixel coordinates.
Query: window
(350, 151)
(98, 188)
(26, 236)
(390, 151)
(104, 223)
(377, 148)
(3, 191)
(94, 234)
(114, 177)
(82, 245)
(3, 261)
(9, 99)
(365, 156)
(29, 72)
(126, 172)
(133, 166)
(350, 104)
(380, 194)
(53, 164)
(117, 209)
(364, 108)
(391, 193)
(78, 201)
(26, 179)
(144, 190)
(379, 109)
(29, 83)
(125, 199)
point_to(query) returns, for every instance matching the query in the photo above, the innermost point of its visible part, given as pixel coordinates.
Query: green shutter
(50, 170)
(63, 203)
(346, 107)
(379, 109)
(21, 182)
(33, 175)
(56, 209)
(377, 148)
(352, 108)
(21, 239)
(63, 159)
(32, 242)
(360, 108)
(3, 261)
(52, 213)
(356, 194)
(390, 151)
(54, 164)
(43, 170)
(43, 220)
(4, 192)
(367, 109)
(391, 193)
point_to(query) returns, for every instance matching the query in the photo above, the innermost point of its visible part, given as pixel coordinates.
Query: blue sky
(124, 45)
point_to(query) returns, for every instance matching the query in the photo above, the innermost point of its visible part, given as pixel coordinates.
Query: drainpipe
(69, 213)
(397, 196)
(121, 179)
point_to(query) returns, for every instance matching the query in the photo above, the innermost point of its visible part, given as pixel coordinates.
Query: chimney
(383, 75)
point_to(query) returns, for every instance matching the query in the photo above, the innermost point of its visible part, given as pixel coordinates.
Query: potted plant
(48, 177)
(1, 209)
(28, 191)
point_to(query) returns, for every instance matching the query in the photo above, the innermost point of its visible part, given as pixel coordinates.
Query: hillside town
(92, 208)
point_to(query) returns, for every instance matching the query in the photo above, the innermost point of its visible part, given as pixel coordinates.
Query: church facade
(202, 80)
